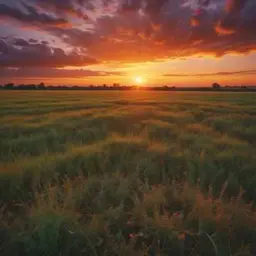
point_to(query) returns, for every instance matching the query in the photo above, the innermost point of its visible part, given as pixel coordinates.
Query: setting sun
(139, 80)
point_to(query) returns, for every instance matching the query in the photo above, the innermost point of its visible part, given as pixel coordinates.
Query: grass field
(127, 173)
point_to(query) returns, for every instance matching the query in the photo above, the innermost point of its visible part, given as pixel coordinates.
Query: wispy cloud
(230, 73)
(53, 73)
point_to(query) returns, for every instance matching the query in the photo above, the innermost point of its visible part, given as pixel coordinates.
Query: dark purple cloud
(3, 47)
(33, 41)
(21, 53)
(73, 7)
(31, 15)
(235, 6)
(232, 20)
(20, 42)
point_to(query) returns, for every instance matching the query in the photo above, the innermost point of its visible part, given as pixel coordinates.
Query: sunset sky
(162, 42)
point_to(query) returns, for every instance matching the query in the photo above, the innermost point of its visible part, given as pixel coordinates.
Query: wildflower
(136, 235)
(182, 236)
(130, 223)
(177, 214)
(131, 236)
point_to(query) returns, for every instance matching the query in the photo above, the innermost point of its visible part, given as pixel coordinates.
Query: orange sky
(203, 71)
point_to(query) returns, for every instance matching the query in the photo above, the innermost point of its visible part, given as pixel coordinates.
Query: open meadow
(127, 173)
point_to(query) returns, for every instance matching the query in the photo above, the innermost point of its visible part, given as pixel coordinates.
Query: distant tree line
(116, 86)
(12, 86)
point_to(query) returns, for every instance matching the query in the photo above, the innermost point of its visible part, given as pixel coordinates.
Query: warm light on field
(127, 153)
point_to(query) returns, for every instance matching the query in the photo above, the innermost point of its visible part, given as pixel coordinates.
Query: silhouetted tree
(41, 86)
(216, 86)
(30, 87)
(9, 86)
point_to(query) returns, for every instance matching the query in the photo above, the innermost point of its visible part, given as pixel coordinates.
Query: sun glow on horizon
(139, 80)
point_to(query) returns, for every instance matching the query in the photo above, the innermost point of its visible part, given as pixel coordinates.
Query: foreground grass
(121, 173)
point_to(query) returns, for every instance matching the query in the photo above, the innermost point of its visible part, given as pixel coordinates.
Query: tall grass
(122, 173)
